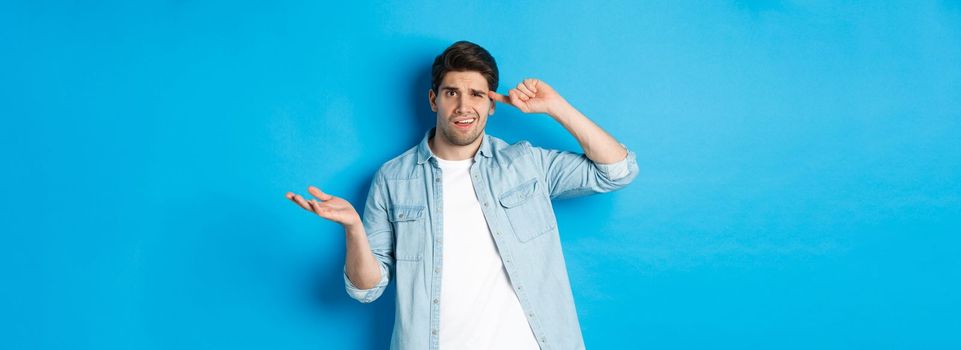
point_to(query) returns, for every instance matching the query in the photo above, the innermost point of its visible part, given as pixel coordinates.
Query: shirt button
(437, 270)
(485, 204)
(531, 315)
(437, 180)
(401, 216)
(434, 332)
(435, 301)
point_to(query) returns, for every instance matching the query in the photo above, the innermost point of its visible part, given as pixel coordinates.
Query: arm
(378, 232)
(606, 165)
(599, 146)
(360, 265)
(535, 96)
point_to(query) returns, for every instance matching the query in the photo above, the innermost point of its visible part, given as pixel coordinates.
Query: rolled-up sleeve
(570, 174)
(367, 295)
(620, 170)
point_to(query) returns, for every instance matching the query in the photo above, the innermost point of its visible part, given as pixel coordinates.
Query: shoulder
(508, 153)
(400, 166)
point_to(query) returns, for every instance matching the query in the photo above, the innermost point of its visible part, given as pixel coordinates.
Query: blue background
(799, 187)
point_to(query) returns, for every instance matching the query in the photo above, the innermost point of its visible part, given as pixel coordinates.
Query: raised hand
(329, 207)
(532, 96)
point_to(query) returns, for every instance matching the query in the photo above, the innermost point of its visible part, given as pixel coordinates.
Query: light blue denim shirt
(514, 184)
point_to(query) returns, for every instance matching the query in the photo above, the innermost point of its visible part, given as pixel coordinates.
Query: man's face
(462, 107)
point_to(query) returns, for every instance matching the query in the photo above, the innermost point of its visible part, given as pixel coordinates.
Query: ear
(493, 105)
(431, 96)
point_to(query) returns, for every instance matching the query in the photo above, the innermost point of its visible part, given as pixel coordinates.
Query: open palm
(329, 207)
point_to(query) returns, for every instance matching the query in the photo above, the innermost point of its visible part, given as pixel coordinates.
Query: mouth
(464, 123)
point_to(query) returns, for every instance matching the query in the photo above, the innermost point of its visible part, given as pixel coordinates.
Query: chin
(456, 139)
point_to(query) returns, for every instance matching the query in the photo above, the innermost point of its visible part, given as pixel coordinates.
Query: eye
(478, 95)
(450, 93)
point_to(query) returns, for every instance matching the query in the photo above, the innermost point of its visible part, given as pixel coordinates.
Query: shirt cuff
(366, 295)
(620, 169)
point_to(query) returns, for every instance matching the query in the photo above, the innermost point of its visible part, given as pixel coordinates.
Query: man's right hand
(329, 207)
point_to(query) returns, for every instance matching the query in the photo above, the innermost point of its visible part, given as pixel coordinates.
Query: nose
(462, 105)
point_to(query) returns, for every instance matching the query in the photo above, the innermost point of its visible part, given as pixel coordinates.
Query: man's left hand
(532, 96)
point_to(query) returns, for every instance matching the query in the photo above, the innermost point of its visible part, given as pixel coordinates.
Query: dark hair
(464, 56)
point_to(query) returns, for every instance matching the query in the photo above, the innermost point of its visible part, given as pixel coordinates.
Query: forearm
(598, 145)
(362, 268)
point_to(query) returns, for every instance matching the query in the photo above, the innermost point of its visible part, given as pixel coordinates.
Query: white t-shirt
(478, 307)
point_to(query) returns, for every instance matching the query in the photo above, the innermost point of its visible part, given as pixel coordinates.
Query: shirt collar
(424, 153)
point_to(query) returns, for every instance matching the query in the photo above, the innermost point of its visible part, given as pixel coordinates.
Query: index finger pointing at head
(498, 97)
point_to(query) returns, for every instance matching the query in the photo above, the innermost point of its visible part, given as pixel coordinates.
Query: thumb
(498, 97)
(319, 194)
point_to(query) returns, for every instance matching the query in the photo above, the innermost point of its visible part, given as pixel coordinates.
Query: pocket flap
(406, 212)
(518, 195)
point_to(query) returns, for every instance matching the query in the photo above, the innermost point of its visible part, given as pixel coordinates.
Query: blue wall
(800, 185)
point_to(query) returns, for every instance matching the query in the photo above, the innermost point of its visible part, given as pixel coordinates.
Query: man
(463, 221)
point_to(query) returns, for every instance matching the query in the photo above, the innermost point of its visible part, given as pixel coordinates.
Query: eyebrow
(451, 88)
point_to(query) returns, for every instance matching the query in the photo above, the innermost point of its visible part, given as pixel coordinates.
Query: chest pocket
(409, 231)
(528, 210)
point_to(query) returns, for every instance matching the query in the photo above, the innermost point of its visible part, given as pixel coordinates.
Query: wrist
(354, 227)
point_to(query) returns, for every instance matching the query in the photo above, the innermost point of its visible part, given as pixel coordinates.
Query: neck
(447, 151)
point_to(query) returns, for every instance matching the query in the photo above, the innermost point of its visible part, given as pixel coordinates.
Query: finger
(522, 96)
(531, 84)
(498, 97)
(516, 97)
(516, 100)
(314, 206)
(523, 88)
(290, 196)
(319, 194)
(300, 201)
